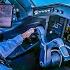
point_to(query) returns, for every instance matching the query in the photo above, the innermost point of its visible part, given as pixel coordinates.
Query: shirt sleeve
(7, 47)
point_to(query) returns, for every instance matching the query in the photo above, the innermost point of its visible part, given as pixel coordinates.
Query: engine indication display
(56, 26)
(67, 33)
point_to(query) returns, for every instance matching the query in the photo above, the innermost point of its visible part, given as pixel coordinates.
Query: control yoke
(49, 55)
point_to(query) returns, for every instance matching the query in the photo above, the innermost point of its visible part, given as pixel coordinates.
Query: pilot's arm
(9, 46)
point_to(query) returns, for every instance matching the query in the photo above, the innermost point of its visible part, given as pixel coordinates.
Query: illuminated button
(42, 11)
(45, 11)
(17, 10)
(48, 10)
(51, 32)
(56, 10)
(31, 44)
(52, 9)
(14, 18)
(14, 11)
(36, 12)
(61, 12)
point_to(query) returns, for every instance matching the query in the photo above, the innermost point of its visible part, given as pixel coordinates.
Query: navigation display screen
(5, 15)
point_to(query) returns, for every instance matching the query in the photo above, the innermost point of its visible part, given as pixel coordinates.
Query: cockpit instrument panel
(59, 20)
(66, 35)
(56, 26)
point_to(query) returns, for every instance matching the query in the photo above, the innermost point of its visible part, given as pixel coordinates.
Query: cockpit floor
(30, 62)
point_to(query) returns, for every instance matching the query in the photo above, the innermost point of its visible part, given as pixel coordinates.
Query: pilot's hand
(28, 33)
